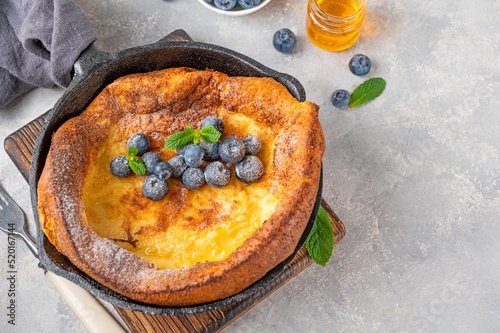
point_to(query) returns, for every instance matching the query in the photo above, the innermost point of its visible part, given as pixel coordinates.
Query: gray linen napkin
(39, 42)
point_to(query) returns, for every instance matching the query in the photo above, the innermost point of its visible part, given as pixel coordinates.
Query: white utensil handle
(91, 313)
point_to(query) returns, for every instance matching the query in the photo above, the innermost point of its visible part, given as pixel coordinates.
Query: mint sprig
(319, 243)
(367, 91)
(210, 134)
(180, 139)
(135, 164)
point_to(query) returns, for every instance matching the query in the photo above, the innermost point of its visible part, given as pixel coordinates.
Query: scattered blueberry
(284, 40)
(178, 165)
(182, 150)
(225, 4)
(252, 144)
(248, 3)
(214, 121)
(360, 64)
(249, 170)
(193, 178)
(154, 188)
(163, 170)
(340, 98)
(231, 150)
(194, 156)
(211, 150)
(150, 160)
(139, 141)
(119, 166)
(217, 174)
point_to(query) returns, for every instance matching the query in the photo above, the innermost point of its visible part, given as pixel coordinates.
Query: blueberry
(154, 188)
(209, 1)
(119, 166)
(163, 170)
(340, 98)
(194, 156)
(214, 121)
(150, 160)
(139, 141)
(284, 40)
(360, 64)
(217, 174)
(182, 150)
(249, 170)
(178, 165)
(193, 178)
(248, 3)
(225, 4)
(211, 150)
(252, 144)
(231, 150)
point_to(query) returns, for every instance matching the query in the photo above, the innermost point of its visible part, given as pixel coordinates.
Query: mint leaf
(210, 134)
(366, 91)
(137, 165)
(190, 130)
(132, 152)
(319, 243)
(180, 139)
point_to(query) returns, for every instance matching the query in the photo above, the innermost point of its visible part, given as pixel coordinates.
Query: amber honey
(334, 25)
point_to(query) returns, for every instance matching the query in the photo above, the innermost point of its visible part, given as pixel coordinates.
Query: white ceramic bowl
(237, 10)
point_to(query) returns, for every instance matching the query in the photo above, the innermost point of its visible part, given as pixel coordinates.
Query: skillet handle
(89, 60)
(92, 58)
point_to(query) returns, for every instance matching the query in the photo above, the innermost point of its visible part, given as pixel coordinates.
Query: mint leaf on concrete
(367, 91)
(319, 243)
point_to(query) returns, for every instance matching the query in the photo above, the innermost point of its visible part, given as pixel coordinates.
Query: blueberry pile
(186, 165)
(230, 4)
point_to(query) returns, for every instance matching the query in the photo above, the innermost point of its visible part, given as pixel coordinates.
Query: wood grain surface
(19, 146)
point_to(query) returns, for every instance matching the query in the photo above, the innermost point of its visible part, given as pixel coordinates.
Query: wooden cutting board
(19, 146)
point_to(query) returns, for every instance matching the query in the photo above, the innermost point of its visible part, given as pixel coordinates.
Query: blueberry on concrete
(216, 122)
(249, 170)
(119, 166)
(231, 150)
(252, 144)
(163, 170)
(360, 64)
(248, 3)
(194, 156)
(182, 150)
(154, 188)
(217, 174)
(193, 178)
(150, 160)
(211, 150)
(178, 165)
(284, 40)
(139, 141)
(225, 4)
(340, 98)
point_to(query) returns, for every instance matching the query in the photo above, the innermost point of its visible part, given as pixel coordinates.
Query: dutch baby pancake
(192, 246)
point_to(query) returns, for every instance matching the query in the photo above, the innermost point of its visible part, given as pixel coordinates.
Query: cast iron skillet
(94, 70)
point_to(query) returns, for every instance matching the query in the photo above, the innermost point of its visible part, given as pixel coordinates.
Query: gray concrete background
(414, 175)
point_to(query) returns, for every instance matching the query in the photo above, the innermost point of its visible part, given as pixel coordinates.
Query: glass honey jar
(334, 25)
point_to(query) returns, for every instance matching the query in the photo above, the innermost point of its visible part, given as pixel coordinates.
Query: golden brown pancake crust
(172, 99)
